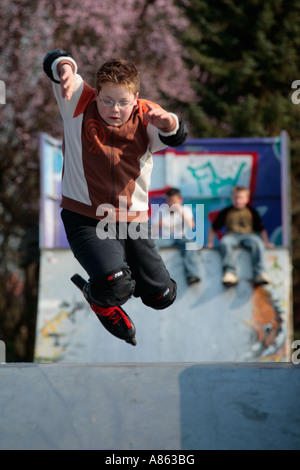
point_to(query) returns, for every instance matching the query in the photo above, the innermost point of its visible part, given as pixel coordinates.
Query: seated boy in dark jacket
(244, 228)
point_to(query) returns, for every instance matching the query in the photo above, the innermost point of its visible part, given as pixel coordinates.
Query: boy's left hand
(160, 118)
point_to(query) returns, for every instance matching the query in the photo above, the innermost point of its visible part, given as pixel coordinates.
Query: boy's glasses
(120, 104)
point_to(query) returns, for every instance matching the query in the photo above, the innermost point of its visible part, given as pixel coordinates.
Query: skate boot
(114, 319)
(117, 322)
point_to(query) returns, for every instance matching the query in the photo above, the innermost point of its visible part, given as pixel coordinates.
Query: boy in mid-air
(109, 137)
(244, 228)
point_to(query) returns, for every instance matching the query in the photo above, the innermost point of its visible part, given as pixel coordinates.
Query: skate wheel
(132, 341)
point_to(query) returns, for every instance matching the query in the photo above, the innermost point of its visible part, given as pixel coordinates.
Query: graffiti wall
(51, 163)
(205, 170)
(207, 323)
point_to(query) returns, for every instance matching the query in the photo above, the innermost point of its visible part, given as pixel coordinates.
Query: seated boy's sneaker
(230, 279)
(193, 280)
(261, 279)
(116, 321)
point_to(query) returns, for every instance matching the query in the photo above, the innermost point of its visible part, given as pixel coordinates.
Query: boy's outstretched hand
(160, 118)
(67, 80)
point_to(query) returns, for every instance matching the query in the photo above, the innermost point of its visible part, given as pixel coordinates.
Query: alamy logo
(2, 352)
(295, 96)
(193, 238)
(296, 354)
(2, 92)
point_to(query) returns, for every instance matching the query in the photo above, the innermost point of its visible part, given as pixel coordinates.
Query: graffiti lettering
(207, 170)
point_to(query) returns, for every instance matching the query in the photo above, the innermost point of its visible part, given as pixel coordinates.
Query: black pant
(99, 257)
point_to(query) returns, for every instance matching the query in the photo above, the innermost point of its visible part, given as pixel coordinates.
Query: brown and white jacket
(105, 166)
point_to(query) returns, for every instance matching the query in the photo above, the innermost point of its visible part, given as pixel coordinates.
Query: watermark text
(2, 92)
(295, 95)
(167, 223)
(2, 352)
(296, 354)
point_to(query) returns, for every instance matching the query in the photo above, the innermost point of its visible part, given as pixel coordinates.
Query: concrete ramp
(207, 323)
(142, 406)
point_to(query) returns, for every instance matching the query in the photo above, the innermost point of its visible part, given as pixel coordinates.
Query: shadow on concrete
(240, 407)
